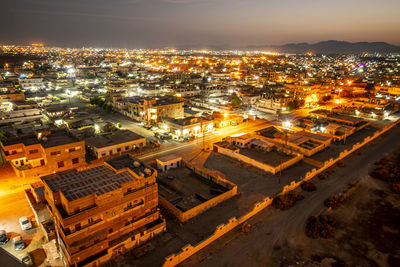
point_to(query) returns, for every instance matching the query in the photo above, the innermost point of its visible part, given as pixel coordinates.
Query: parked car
(19, 244)
(25, 223)
(26, 258)
(3, 237)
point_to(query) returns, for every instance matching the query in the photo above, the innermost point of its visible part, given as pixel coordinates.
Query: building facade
(44, 153)
(103, 211)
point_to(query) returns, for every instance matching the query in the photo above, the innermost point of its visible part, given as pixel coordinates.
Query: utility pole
(202, 129)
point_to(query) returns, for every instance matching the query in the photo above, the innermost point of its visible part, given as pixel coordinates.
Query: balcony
(89, 251)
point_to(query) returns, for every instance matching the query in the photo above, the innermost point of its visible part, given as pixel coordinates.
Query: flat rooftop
(185, 189)
(270, 132)
(169, 158)
(55, 138)
(118, 137)
(98, 180)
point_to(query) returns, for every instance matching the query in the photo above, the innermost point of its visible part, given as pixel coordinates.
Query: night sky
(184, 23)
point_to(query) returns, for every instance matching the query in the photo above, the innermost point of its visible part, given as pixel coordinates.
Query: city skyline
(197, 23)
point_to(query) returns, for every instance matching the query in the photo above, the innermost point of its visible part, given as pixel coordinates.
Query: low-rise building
(169, 162)
(188, 126)
(224, 119)
(115, 143)
(302, 142)
(43, 153)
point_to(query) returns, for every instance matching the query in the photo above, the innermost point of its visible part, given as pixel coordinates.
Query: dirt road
(273, 230)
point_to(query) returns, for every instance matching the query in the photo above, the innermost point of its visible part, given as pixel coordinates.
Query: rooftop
(118, 137)
(169, 158)
(55, 138)
(77, 184)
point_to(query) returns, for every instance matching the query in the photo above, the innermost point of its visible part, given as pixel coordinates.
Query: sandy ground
(277, 237)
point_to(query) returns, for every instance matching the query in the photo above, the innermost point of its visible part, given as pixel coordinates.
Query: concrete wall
(184, 216)
(189, 250)
(258, 164)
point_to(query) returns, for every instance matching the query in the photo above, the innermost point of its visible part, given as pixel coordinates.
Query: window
(33, 151)
(42, 162)
(127, 148)
(75, 161)
(78, 227)
(110, 230)
(90, 220)
(71, 149)
(60, 164)
(55, 153)
(119, 149)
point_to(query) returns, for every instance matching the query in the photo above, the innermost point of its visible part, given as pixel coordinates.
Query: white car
(25, 223)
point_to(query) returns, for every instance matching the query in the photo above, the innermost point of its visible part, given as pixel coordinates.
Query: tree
(370, 88)
(295, 104)
(119, 125)
(236, 101)
(4, 135)
(120, 74)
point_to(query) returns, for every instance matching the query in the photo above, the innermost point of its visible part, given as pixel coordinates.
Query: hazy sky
(157, 23)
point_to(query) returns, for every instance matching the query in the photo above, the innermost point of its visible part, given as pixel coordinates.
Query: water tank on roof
(141, 174)
(136, 164)
(147, 171)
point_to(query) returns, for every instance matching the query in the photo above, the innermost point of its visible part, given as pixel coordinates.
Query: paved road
(193, 148)
(271, 229)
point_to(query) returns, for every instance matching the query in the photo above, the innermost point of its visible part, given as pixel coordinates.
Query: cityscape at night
(199, 133)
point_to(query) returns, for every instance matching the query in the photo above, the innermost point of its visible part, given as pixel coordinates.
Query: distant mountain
(333, 47)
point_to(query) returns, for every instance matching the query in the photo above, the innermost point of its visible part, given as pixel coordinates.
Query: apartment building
(102, 211)
(153, 110)
(43, 153)
(272, 104)
(31, 83)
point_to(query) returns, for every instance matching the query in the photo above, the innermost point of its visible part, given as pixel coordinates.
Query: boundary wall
(222, 229)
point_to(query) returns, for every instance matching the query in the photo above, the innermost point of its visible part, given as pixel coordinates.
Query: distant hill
(333, 47)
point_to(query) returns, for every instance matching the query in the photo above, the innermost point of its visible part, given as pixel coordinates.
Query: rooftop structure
(103, 209)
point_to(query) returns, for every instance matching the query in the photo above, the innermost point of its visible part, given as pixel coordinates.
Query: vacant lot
(367, 230)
